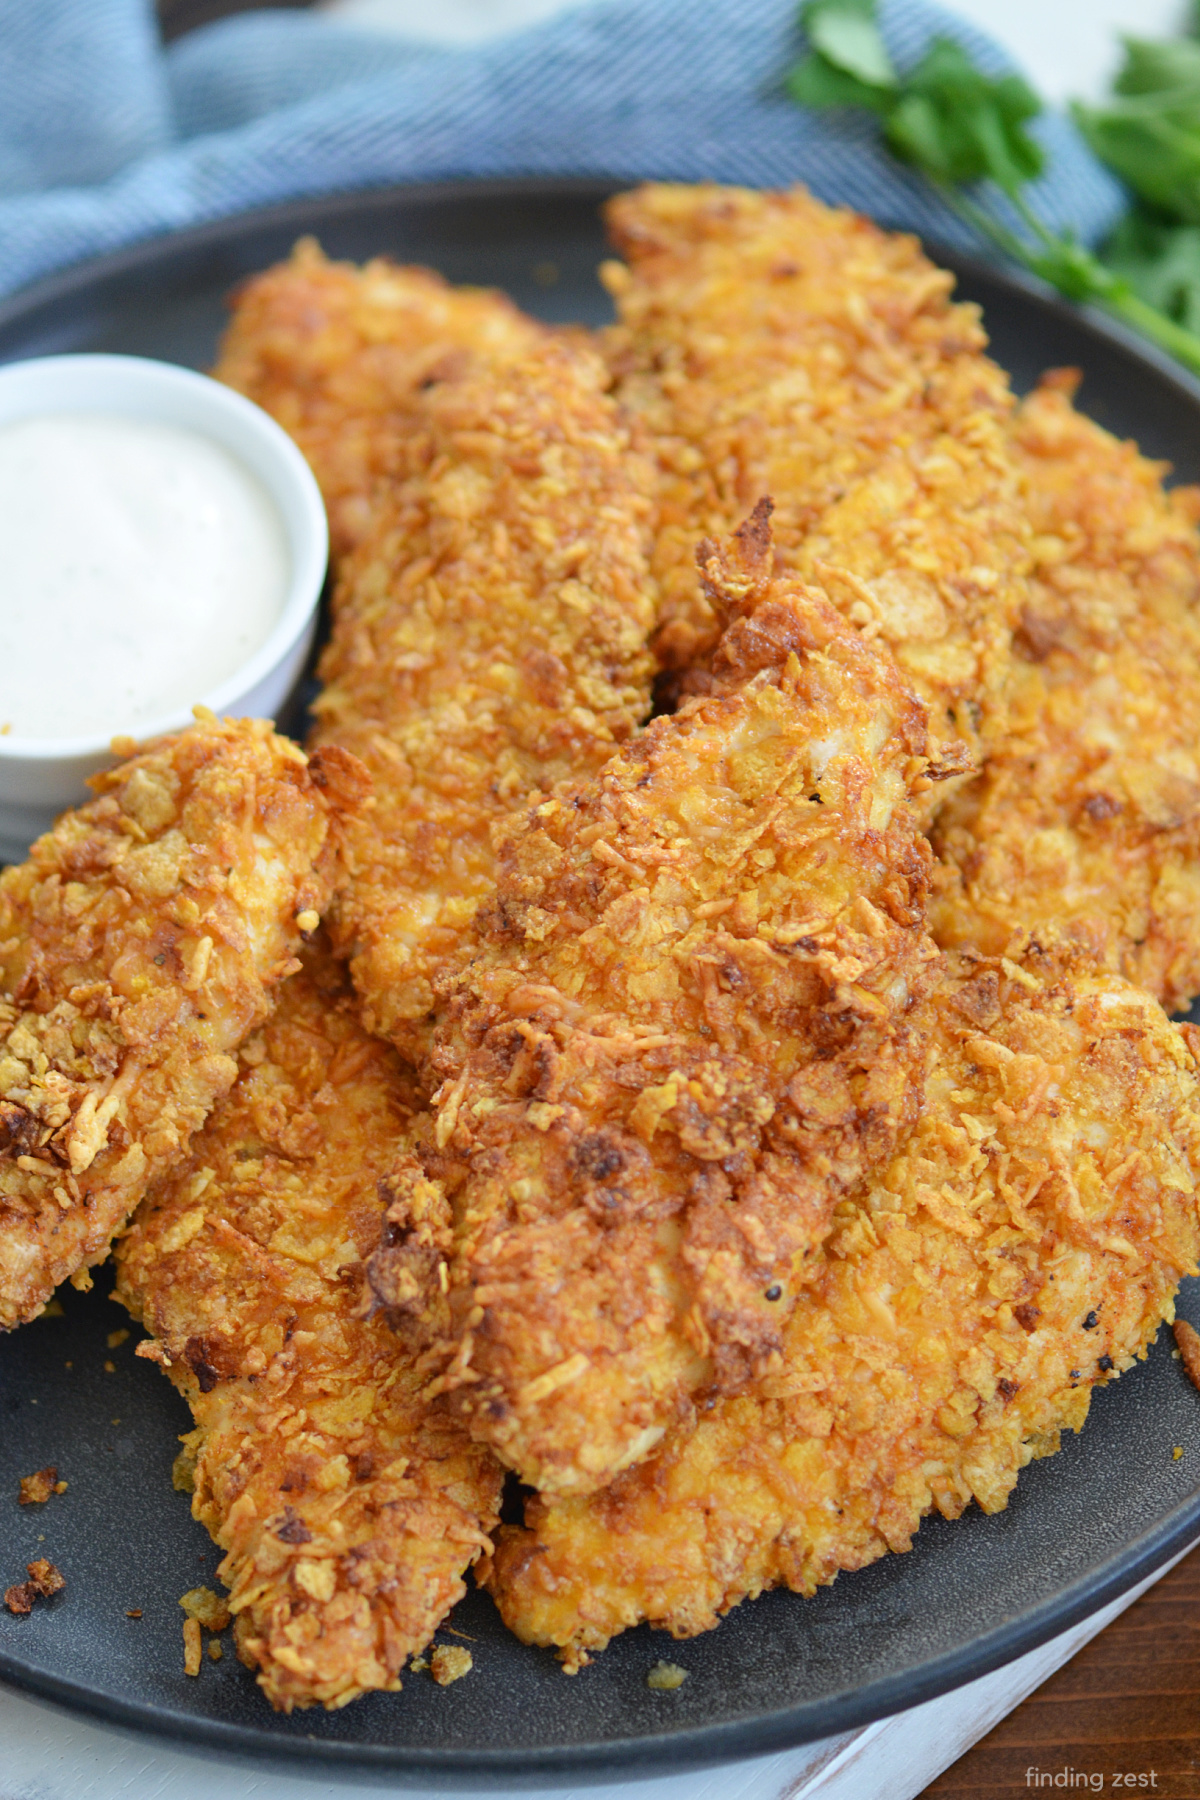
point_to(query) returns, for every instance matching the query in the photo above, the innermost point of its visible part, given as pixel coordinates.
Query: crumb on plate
(665, 1677)
(206, 1607)
(1187, 1342)
(36, 1489)
(191, 1647)
(450, 1662)
(44, 1580)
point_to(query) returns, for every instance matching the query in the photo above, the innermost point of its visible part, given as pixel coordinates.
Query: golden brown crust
(138, 946)
(489, 639)
(1022, 1244)
(680, 1036)
(770, 345)
(720, 1150)
(338, 355)
(347, 1511)
(1086, 819)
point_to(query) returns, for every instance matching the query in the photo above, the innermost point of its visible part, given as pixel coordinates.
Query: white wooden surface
(1068, 47)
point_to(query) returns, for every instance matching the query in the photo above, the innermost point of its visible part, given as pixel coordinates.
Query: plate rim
(303, 213)
(689, 1746)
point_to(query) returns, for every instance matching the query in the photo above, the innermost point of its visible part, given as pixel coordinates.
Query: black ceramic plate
(1081, 1527)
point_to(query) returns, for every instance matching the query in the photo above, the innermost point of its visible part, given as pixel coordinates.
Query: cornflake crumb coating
(1023, 1244)
(1086, 819)
(768, 344)
(346, 1510)
(682, 1034)
(489, 639)
(139, 945)
(339, 355)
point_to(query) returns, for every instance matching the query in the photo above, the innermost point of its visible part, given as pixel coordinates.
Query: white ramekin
(41, 776)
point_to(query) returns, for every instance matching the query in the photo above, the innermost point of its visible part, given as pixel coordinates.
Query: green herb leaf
(1074, 271)
(1156, 153)
(1150, 134)
(1155, 68)
(958, 125)
(845, 33)
(816, 82)
(1161, 263)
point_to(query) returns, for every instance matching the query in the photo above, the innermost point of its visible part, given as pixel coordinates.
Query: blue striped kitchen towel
(105, 138)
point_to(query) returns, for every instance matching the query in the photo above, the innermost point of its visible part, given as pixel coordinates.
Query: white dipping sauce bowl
(41, 776)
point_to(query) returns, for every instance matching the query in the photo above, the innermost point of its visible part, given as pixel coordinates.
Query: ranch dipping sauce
(141, 565)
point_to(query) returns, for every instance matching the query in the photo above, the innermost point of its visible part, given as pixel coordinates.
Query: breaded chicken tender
(139, 945)
(681, 1036)
(1021, 1245)
(489, 639)
(347, 1510)
(1086, 819)
(339, 356)
(770, 345)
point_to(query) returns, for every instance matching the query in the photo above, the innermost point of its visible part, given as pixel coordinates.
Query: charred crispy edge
(341, 777)
(406, 1276)
(734, 571)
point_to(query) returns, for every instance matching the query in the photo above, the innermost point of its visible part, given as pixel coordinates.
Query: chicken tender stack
(1086, 820)
(743, 1223)
(347, 1510)
(139, 945)
(489, 639)
(770, 345)
(682, 1035)
(1022, 1244)
(339, 356)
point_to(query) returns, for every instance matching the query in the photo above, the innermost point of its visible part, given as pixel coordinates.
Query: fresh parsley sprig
(1149, 133)
(966, 132)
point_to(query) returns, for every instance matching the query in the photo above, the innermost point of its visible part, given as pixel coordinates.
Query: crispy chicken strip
(138, 946)
(339, 356)
(681, 1036)
(770, 345)
(347, 1510)
(1023, 1244)
(489, 639)
(1087, 817)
